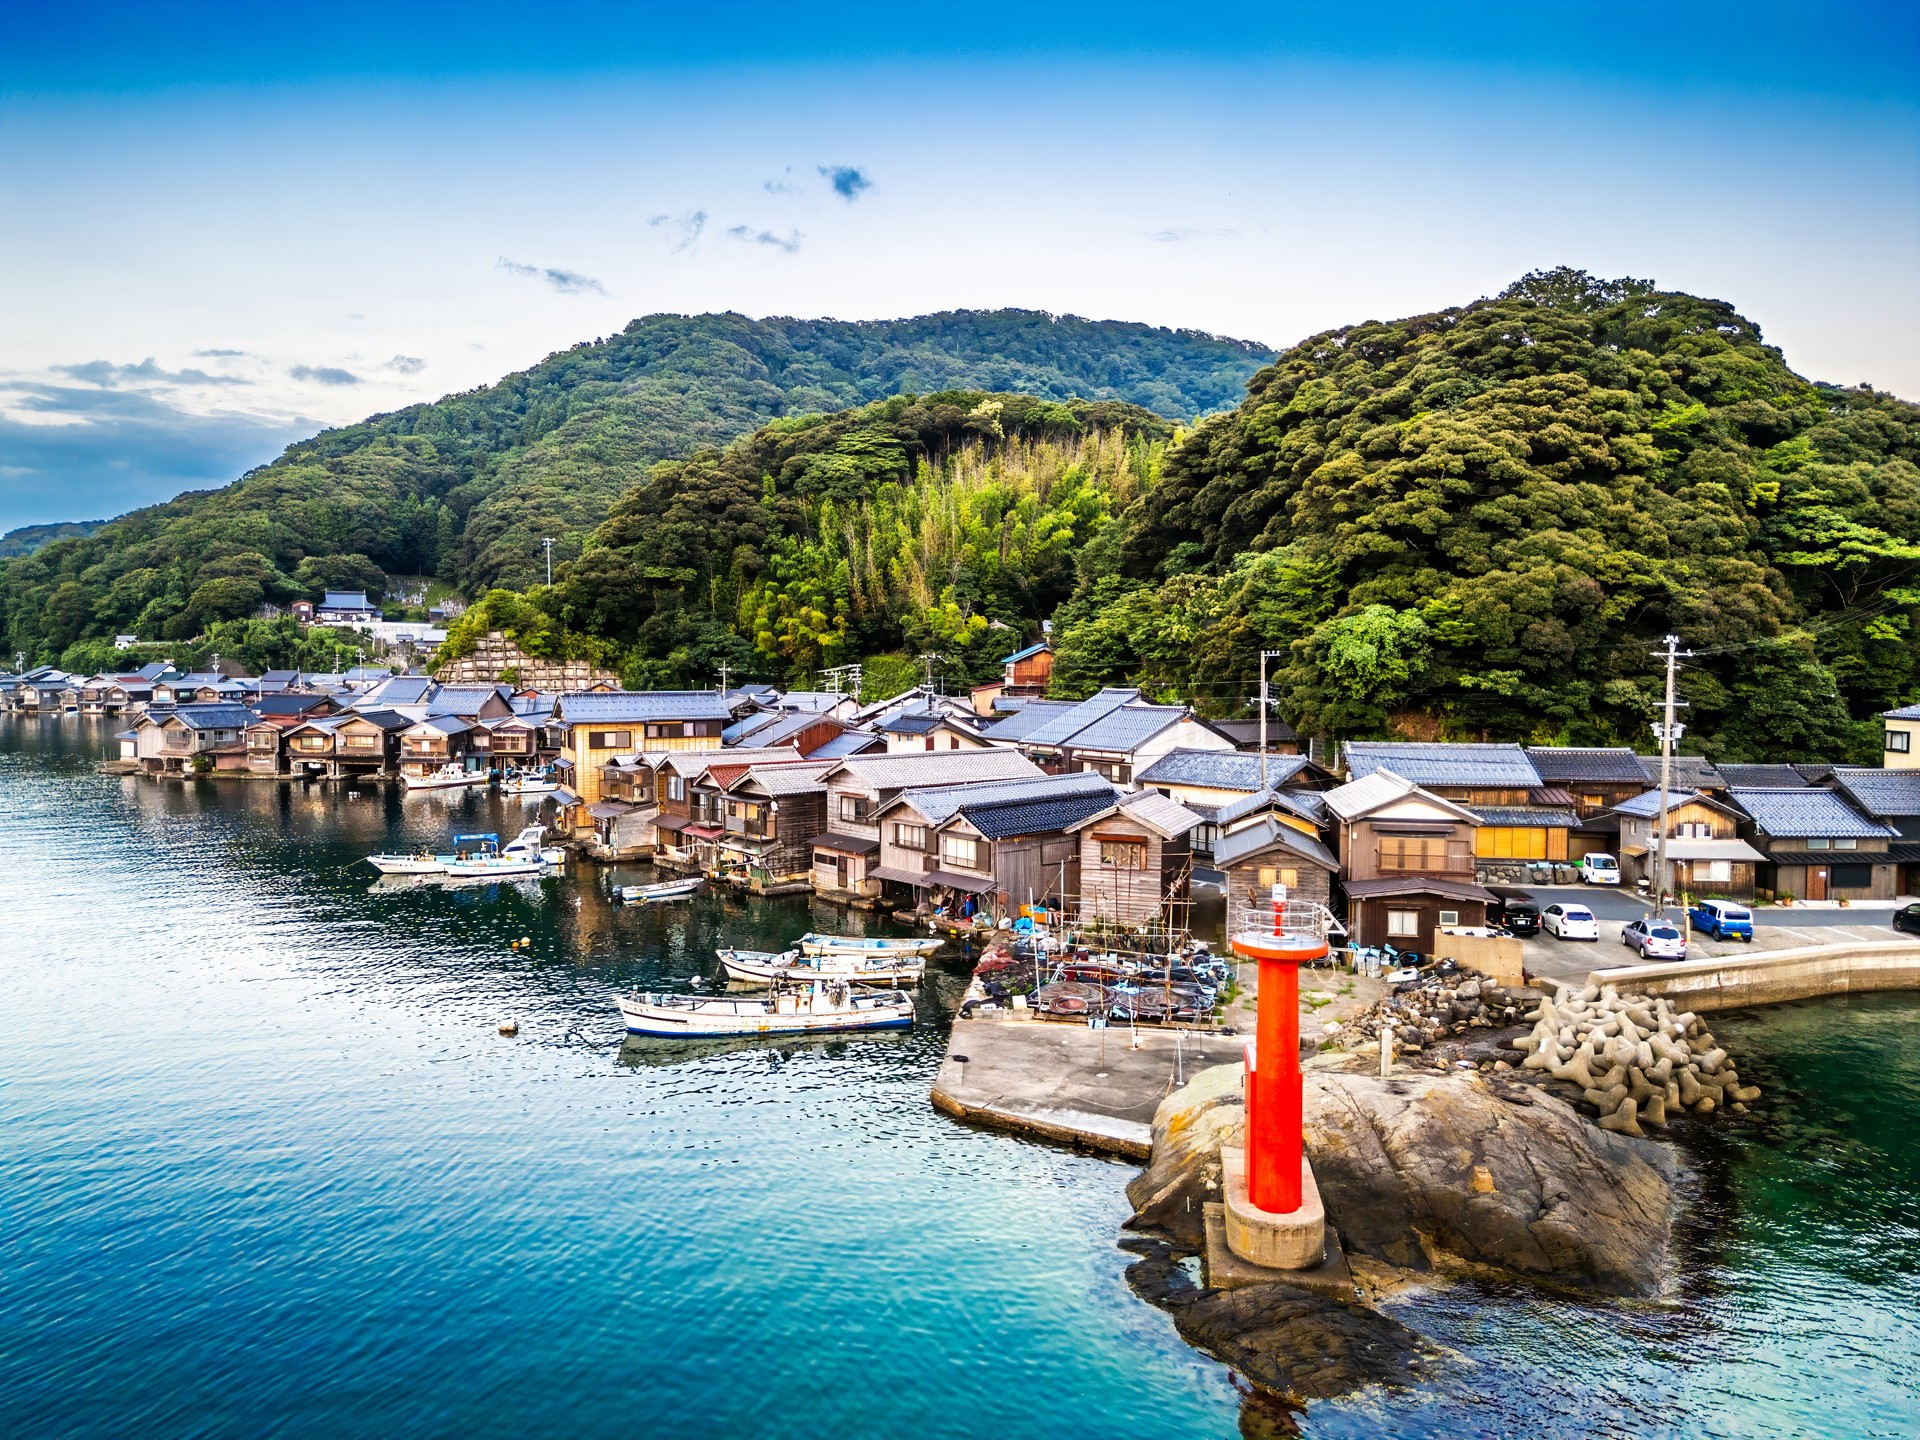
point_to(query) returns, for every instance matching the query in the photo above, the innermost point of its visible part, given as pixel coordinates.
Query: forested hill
(466, 487)
(29, 538)
(1480, 522)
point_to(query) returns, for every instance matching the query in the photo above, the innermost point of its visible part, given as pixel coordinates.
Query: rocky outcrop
(1463, 1170)
(1286, 1341)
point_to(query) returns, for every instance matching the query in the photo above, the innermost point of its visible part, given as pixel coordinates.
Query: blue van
(1722, 919)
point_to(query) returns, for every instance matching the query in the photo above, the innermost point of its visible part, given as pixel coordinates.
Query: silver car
(1655, 938)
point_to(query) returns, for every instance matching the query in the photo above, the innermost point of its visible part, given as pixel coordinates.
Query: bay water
(267, 1168)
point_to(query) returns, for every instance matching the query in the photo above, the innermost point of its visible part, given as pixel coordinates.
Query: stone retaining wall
(1774, 976)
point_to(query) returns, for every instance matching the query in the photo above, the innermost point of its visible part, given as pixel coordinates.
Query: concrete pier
(1773, 976)
(1067, 1083)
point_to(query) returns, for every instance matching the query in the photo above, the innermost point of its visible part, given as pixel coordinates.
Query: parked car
(1655, 937)
(1569, 922)
(1907, 917)
(1518, 914)
(1724, 920)
(1598, 869)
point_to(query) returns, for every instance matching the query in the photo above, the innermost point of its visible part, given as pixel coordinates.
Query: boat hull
(708, 1019)
(406, 864)
(665, 890)
(864, 945)
(760, 967)
(440, 780)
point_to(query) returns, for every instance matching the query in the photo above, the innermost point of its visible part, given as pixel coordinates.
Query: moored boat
(420, 864)
(529, 782)
(447, 777)
(817, 944)
(792, 1008)
(764, 967)
(660, 890)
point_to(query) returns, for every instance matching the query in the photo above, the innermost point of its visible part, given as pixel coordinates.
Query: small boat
(529, 782)
(465, 847)
(792, 1008)
(659, 890)
(764, 967)
(530, 842)
(816, 944)
(447, 777)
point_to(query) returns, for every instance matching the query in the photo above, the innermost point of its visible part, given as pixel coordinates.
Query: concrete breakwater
(1774, 976)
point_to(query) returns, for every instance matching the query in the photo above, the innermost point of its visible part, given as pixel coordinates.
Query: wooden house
(194, 739)
(774, 811)
(427, 745)
(1519, 818)
(1276, 845)
(1817, 846)
(1594, 780)
(1115, 733)
(1891, 797)
(589, 726)
(1135, 862)
(1208, 782)
(1705, 854)
(1028, 671)
(1407, 863)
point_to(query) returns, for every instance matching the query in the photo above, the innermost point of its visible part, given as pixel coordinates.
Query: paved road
(1614, 903)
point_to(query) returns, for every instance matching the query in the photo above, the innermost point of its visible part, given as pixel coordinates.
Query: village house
(692, 813)
(929, 727)
(351, 745)
(1028, 671)
(1002, 839)
(859, 786)
(1817, 846)
(47, 693)
(1705, 854)
(1245, 735)
(1518, 818)
(1135, 865)
(1900, 738)
(345, 607)
(1208, 781)
(1595, 780)
(1275, 845)
(1893, 798)
(1407, 861)
(591, 725)
(773, 812)
(115, 694)
(440, 740)
(1115, 733)
(203, 687)
(193, 740)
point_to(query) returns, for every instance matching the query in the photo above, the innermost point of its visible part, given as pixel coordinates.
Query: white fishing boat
(531, 841)
(764, 967)
(660, 890)
(447, 777)
(529, 782)
(816, 944)
(495, 867)
(790, 1009)
(422, 863)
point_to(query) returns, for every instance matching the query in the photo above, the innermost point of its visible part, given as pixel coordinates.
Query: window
(1403, 924)
(1595, 801)
(1203, 837)
(610, 740)
(1413, 852)
(1899, 742)
(1449, 917)
(1712, 872)
(1124, 853)
(853, 807)
(1503, 842)
(962, 852)
(1819, 842)
(1846, 842)
(1852, 877)
(676, 787)
(910, 837)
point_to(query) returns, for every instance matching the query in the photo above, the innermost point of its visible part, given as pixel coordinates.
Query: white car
(1569, 922)
(1599, 869)
(1656, 938)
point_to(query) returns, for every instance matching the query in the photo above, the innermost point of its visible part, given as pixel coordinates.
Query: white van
(1599, 870)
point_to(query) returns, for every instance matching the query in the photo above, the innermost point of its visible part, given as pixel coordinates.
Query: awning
(562, 797)
(1387, 887)
(953, 880)
(1829, 857)
(562, 763)
(916, 878)
(705, 832)
(845, 844)
(1690, 848)
(610, 809)
(676, 823)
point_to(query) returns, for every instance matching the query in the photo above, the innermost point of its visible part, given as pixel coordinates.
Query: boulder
(1183, 1174)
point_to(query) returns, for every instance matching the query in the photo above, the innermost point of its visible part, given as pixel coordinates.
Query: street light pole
(547, 545)
(1265, 655)
(1669, 732)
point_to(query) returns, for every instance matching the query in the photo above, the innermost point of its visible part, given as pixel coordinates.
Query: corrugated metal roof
(1025, 720)
(1442, 764)
(937, 767)
(1307, 804)
(1264, 834)
(1610, 765)
(850, 742)
(1883, 793)
(1061, 728)
(460, 699)
(638, 706)
(1647, 804)
(1027, 653)
(1168, 816)
(1220, 769)
(1795, 813)
(1763, 777)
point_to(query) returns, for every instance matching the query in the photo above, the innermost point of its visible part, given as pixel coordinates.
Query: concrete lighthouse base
(1275, 1242)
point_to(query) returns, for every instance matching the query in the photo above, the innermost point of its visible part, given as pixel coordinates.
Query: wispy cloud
(1181, 236)
(218, 354)
(567, 282)
(684, 228)
(848, 181)
(108, 375)
(788, 242)
(406, 364)
(783, 184)
(324, 374)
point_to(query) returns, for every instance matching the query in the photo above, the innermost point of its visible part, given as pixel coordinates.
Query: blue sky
(222, 227)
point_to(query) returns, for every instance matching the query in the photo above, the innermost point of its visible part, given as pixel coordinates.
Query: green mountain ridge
(29, 538)
(467, 486)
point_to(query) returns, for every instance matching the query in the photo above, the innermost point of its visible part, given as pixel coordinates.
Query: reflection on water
(266, 1166)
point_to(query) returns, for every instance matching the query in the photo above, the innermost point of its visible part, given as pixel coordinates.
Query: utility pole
(1265, 655)
(928, 659)
(547, 545)
(723, 677)
(1668, 733)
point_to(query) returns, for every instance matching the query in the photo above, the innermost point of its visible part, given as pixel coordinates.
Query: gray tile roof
(1763, 777)
(1612, 765)
(1040, 815)
(460, 699)
(937, 767)
(1220, 769)
(789, 779)
(1264, 834)
(217, 716)
(1025, 720)
(1647, 803)
(1905, 712)
(1442, 764)
(1791, 814)
(850, 742)
(940, 803)
(1060, 729)
(1124, 730)
(1381, 787)
(1693, 771)
(1883, 793)
(1246, 733)
(638, 706)
(1307, 804)
(1527, 817)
